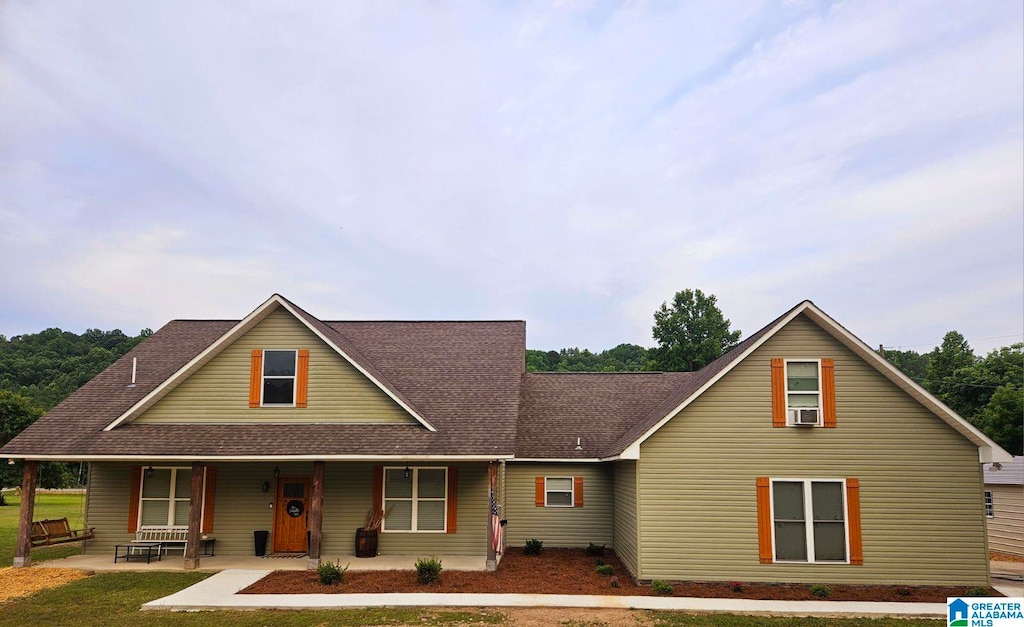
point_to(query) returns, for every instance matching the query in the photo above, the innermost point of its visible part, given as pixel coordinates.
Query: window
(558, 492)
(803, 392)
(990, 509)
(416, 498)
(824, 539)
(165, 497)
(279, 377)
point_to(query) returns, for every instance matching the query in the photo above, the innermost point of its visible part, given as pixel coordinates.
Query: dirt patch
(571, 571)
(999, 556)
(19, 582)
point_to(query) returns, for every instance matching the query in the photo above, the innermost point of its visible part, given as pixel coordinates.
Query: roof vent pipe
(579, 447)
(135, 366)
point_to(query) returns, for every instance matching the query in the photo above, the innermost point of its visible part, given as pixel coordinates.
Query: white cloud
(574, 164)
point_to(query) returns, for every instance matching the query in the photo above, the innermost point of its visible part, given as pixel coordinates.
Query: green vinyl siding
(242, 507)
(219, 390)
(558, 526)
(624, 514)
(920, 481)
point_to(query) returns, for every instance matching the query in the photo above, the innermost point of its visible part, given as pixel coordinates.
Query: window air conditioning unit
(805, 417)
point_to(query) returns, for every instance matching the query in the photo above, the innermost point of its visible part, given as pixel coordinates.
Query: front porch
(97, 562)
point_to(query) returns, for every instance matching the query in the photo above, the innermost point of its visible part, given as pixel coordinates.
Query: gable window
(803, 393)
(990, 510)
(809, 522)
(165, 497)
(417, 499)
(279, 377)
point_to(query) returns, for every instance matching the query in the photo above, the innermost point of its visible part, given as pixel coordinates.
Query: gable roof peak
(327, 334)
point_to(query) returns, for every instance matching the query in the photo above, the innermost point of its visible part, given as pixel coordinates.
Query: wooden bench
(168, 537)
(58, 531)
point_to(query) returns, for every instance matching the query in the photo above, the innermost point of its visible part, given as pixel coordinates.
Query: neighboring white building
(1004, 506)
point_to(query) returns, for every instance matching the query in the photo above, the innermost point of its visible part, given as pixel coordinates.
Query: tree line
(39, 370)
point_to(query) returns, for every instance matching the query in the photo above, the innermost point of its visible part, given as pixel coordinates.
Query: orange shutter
(538, 491)
(209, 492)
(302, 378)
(577, 490)
(255, 378)
(828, 391)
(764, 520)
(134, 492)
(853, 520)
(453, 499)
(778, 393)
(378, 488)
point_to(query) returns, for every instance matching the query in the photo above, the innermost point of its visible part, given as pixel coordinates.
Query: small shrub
(821, 591)
(976, 591)
(737, 586)
(614, 581)
(532, 547)
(605, 569)
(599, 562)
(331, 572)
(595, 550)
(428, 570)
(660, 587)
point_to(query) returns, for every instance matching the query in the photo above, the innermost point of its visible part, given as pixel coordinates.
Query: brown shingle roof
(463, 378)
(597, 408)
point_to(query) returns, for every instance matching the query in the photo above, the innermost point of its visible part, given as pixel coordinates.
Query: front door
(290, 511)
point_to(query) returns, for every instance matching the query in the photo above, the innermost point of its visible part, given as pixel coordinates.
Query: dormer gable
(325, 381)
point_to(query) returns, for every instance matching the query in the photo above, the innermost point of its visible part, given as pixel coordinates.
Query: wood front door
(291, 510)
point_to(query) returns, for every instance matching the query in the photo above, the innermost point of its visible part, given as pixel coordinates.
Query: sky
(571, 164)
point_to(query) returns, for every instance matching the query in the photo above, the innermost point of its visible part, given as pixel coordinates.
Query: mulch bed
(571, 571)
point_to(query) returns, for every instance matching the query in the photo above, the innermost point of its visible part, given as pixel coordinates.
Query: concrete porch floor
(248, 562)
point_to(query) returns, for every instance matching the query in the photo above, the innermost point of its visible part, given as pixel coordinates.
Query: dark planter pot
(366, 542)
(260, 541)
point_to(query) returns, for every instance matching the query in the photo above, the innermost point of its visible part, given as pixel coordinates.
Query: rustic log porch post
(195, 517)
(316, 515)
(29, 473)
(492, 483)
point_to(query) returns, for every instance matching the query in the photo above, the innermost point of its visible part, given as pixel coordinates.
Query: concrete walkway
(219, 592)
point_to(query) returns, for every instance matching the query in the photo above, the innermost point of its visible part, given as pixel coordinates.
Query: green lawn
(114, 598)
(48, 505)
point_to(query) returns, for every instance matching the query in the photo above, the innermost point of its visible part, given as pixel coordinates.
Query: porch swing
(58, 530)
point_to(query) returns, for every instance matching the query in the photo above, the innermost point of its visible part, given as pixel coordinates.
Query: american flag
(497, 531)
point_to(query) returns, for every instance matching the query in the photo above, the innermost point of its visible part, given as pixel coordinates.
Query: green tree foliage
(622, 358)
(692, 332)
(910, 363)
(46, 367)
(988, 392)
(37, 371)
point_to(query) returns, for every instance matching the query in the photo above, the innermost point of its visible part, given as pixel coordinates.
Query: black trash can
(260, 542)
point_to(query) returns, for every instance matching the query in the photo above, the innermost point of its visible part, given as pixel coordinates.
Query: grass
(114, 599)
(48, 505)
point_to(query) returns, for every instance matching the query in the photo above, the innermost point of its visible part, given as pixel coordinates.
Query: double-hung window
(990, 509)
(416, 499)
(803, 392)
(279, 377)
(558, 492)
(165, 497)
(809, 522)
